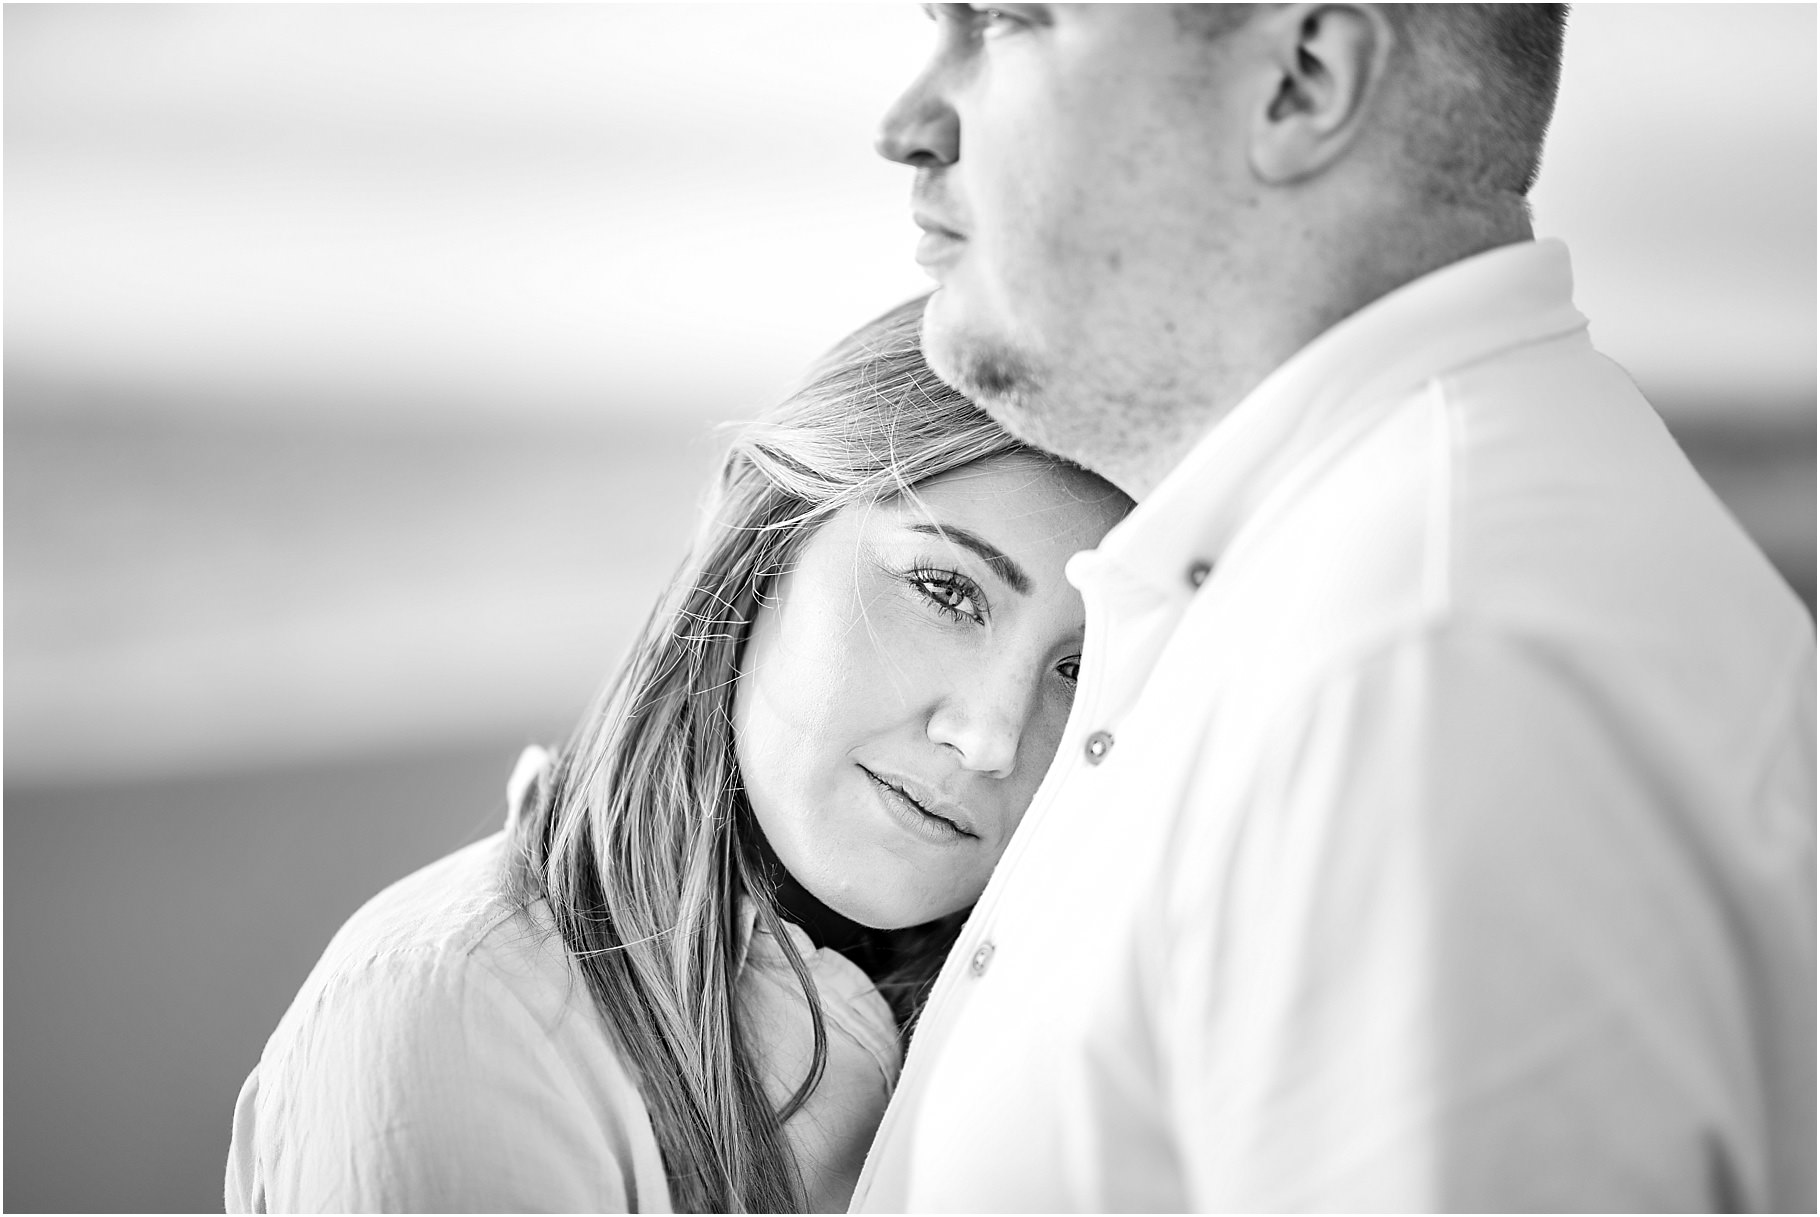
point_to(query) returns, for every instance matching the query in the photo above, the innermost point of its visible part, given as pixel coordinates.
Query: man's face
(1079, 172)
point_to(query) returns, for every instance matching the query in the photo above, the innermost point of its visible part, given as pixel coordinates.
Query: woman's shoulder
(461, 908)
(453, 933)
(445, 1041)
(449, 908)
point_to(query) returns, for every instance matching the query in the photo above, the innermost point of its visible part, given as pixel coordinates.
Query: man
(1434, 828)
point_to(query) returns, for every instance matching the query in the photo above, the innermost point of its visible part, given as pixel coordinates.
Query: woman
(681, 977)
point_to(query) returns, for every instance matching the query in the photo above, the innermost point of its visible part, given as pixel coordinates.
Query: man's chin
(992, 373)
(1038, 400)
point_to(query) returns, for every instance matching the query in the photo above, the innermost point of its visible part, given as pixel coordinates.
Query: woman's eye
(1070, 668)
(954, 596)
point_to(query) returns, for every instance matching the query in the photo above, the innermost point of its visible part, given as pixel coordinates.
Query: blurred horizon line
(36, 397)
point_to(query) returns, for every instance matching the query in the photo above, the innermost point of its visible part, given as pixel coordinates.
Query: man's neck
(1291, 319)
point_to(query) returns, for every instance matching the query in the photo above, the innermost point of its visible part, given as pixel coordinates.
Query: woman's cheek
(1053, 719)
(853, 663)
(934, 656)
(896, 626)
(1041, 737)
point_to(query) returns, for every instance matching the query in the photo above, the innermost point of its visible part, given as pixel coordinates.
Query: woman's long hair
(641, 837)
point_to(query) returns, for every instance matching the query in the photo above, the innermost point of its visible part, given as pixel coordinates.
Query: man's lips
(939, 244)
(935, 227)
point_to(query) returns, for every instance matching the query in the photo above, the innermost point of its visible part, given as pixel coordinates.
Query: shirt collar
(1483, 305)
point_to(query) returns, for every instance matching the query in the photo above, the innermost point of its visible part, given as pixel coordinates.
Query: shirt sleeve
(423, 1084)
(1446, 947)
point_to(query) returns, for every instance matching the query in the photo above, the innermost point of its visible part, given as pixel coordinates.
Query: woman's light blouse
(446, 1055)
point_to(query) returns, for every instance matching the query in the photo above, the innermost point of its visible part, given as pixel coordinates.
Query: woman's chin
(875, 908)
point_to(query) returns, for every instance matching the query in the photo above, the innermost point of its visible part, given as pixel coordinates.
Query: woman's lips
(913, 813)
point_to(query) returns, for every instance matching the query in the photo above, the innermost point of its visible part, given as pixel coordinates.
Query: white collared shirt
(1448, 846)
(446, 1056)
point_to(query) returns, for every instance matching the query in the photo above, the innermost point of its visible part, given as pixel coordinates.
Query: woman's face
(906, 683)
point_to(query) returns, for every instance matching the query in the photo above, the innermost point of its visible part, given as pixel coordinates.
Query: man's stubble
(1089, 419)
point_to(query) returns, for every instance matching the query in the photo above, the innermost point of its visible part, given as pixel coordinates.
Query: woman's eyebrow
(1001, 563)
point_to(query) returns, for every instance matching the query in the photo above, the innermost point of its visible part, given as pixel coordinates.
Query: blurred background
(360, 367)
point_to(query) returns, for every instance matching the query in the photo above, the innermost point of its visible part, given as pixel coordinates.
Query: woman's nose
(921, 129)
(984, 719)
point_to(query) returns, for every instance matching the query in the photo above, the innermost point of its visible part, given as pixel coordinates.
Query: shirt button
(1098, 745)
(981, 958)
(1197, 573)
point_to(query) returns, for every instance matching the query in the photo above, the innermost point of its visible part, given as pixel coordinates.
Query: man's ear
(1328, 62)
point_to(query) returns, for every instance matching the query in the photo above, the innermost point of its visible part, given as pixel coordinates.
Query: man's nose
(921, 129)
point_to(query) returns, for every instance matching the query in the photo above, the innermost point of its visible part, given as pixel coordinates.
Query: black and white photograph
(875, 607)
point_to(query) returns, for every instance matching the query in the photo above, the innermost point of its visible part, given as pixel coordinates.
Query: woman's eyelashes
(961, 599)
(951, 593)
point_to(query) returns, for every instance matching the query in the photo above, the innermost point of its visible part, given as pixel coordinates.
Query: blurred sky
(358, 358)
(572, 209)
(537, 210)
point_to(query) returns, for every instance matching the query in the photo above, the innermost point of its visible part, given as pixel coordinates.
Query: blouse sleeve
(422, 1083)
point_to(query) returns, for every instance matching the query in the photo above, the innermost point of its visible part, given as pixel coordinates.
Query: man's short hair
(1482, 80)
(1479, 80)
